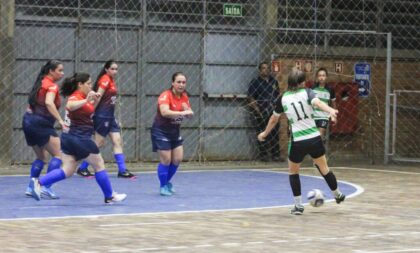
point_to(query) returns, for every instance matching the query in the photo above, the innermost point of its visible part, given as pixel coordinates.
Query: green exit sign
(233, 10)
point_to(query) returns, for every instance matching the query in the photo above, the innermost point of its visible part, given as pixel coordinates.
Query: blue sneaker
(35, 189)
(164, 191)
(47, 192)
(170, 187)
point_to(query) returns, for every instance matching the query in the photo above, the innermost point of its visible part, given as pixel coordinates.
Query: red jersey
(47, 85)
(106, 105)
(79, 122)
(175, 104)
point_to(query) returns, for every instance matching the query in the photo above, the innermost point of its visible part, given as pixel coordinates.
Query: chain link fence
(219, 45)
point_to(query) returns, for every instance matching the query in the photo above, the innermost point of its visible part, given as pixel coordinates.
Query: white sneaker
(116, 197)
(35, 189)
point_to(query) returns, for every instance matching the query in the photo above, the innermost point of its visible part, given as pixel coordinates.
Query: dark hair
(295, 78)
(50, 65)
(262, 63)
(106, 66)
(174, 76)
(70, 83)
(321, 69)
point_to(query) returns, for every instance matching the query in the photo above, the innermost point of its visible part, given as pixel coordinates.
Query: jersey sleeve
(163, 99)
(52, 88)
(104, 82)
(278, 107)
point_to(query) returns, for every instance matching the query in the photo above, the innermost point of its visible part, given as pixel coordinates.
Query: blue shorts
(164, 141)
(77, 146)
(37, 129)
(104, 126)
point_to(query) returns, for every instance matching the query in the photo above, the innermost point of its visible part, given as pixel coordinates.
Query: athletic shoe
(297, 210)
(340, 198)
(164, 191)
(170, 187)
(28, 191)
(47, 192)
(35, 189)
(116, 197)
(84, 173)
(126, 174)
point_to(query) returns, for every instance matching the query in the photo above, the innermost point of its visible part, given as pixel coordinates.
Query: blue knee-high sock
(36, 168)
(103, 181)
(84, 165)
(163, 171)
(172, 170)
(52, 177)
(55, 163)
(120, 159)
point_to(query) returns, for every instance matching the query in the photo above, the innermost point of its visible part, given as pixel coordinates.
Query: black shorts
(298, 150)
(321, 123)
(162, 140)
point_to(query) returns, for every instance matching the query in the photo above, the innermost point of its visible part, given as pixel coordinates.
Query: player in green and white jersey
(297, 103)
(326, 95)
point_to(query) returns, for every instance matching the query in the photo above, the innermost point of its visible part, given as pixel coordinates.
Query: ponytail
(50, 65)
(102, 72)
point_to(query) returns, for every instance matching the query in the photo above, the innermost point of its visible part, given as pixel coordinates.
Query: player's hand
(333, 115)
(262, 136)
(62, 124)
(93, 96)
(188, 113)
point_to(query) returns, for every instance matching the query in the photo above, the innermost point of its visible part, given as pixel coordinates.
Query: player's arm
(74, 104)
(274, 119)
(168, 113)
(318, 103)
(49, 103)
(101, 90)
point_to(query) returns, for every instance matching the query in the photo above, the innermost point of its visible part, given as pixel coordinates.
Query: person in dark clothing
(262, 94)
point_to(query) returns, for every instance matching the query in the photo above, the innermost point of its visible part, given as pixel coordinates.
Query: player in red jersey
(173, 108)
(104, 120)
(76, 141)
(38, 122)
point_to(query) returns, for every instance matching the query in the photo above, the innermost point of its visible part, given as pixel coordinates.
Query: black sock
(295, 184)
(331, 181)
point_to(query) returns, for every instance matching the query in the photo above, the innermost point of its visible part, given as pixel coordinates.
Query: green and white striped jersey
(298, 109)
(326, 95)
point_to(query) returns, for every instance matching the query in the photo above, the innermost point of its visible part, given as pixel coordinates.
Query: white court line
(388, 251)
(204, 246)
(177, 247)
(359, 190)
(144, 223)
(252, 243)
(231, 244)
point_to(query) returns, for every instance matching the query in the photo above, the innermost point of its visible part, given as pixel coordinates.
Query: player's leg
(176, 159)
(84, 165)
(54, 176)
(37, 166)
(123, 172)
(102, 179)
(53, 147)
(321, 163)
(165, 158)
(296, 155)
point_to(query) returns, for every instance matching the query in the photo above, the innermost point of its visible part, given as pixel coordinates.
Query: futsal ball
(315, 197)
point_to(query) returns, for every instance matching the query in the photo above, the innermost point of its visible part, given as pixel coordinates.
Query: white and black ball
(316, 197)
